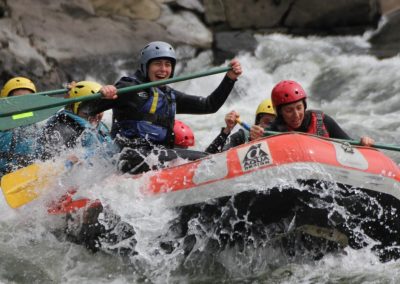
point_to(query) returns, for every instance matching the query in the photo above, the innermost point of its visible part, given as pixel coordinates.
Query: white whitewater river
(340, 78)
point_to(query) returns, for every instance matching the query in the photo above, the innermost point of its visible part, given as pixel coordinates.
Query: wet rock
(192, 32)
(83, 40)
(3, 8)
(255, 14)
(194, 5)
(388, 6)
(214, 11)
(311, 16)
(330, 15)
(138, 9)
(386, 41)
(228, 44)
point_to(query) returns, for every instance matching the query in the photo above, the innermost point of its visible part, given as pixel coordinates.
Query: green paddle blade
(29, 117)
(26, 118)
(32, 102)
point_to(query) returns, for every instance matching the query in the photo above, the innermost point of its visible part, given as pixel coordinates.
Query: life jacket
(18, 147)
(317, 125)
(155, 119)
(90, 137)
(74, 130)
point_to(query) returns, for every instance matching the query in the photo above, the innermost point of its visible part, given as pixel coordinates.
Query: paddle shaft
(351, 142)
(61, 102)
(52, 92)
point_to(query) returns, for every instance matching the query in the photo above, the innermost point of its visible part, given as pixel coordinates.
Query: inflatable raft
(330, 193)
(277, 158)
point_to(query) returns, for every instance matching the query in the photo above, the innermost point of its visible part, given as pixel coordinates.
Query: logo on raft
(254, 156)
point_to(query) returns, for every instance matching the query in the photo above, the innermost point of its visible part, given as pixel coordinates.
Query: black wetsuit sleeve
(221, 144)
(203, 105)
(334, 130)
(125, 103)
(58, 134)
(97, 106)
(218, 143)
(236, 139)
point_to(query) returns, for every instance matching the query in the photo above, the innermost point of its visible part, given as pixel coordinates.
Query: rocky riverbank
(56, 41)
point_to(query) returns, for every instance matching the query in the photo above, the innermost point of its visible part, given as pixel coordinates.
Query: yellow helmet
(15, 84)
(265, 107)
(81, 89)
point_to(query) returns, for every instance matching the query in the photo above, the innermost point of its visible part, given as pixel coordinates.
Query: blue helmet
(153, 50)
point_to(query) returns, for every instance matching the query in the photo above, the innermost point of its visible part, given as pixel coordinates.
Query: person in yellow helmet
(18, 146)
(18, 86)
(72, 127)
(265, 114)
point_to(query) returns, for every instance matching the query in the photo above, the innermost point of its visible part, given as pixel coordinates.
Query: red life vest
(317, 125)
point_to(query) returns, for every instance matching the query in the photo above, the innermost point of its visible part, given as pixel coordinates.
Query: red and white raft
(272, 162)
(298, 181)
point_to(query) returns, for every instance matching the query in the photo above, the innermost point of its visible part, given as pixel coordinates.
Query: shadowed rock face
(386, 41)
(56, 41)
(311, 15)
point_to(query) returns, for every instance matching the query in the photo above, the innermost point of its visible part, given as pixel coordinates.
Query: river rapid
(340, 78)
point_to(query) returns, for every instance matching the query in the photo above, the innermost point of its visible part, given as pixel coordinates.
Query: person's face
(20, 92)
(293, 114)
(266, 119)
(159, 69)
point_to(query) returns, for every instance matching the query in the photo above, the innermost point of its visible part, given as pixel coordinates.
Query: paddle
(351, 142)
(19, 187)
(29, 117)
(28, 109)
(52, 92)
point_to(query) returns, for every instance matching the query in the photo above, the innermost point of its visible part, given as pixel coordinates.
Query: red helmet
(183, 134)
(286, 92)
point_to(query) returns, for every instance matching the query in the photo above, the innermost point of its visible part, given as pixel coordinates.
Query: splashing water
(340, 78)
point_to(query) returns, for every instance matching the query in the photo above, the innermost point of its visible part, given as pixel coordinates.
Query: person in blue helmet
(143, 121)
(18, 146)
(72, 127)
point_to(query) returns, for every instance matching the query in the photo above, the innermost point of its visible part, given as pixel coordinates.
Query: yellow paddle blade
(21, 187)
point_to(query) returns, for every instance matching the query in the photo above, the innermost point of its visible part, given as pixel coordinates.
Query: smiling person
(144, 120)
(290, 103)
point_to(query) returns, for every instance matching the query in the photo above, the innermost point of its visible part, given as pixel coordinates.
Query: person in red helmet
(290, 103)
(184, 137)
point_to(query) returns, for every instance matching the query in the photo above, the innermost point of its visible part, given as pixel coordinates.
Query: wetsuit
(313, 125)
(65, 130)
(18, 148)
(140, 132)
(225, 141)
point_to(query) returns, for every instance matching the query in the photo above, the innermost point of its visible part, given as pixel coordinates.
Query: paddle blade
(26, 103)
(23, 185)
(19, 186)
(26, 118)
